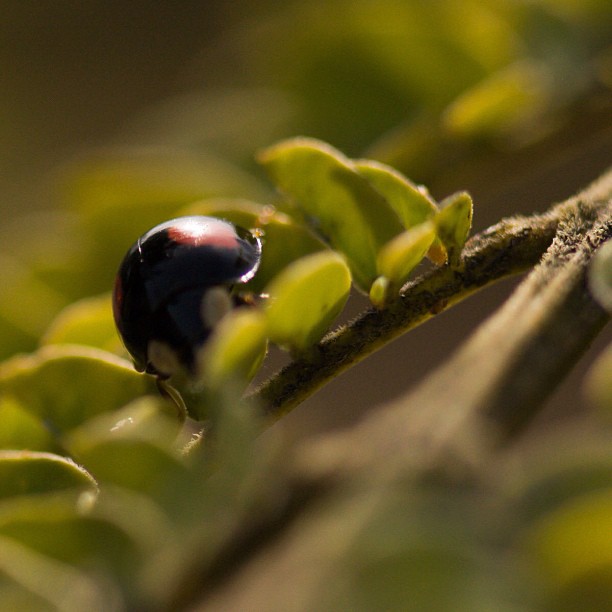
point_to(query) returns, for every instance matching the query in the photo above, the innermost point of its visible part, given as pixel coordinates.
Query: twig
(510, 247)
(495, 384)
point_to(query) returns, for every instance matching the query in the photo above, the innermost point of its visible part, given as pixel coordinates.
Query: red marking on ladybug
(214, 232)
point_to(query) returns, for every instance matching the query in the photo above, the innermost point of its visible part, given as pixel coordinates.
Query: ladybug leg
(170, 393)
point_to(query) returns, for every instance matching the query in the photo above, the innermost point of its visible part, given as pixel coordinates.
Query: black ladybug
(175, 283)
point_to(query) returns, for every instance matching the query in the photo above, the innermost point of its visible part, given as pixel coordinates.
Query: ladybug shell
(164, 276)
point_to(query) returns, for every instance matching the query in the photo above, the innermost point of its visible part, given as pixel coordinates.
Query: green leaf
(509, 99)
(401, 255)
(600, 276)
(27, 472)
(133, 448)
(65, 385)
(453, 223)
(236, 348)
(132, 462)
(283, 239)
(380, 291)
(63, 532)
(22, 429)
(60, 585)
(148, 417)
(305, 298)
(27, 304)
(412, 203)
(337, 202)
(89, 322)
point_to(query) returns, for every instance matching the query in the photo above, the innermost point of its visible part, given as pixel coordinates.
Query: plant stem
(510, 247)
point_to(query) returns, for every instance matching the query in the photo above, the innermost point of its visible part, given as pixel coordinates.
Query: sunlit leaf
(134, 448)
(65, 385)
(236, 348)
(411, 202)
(148, 418)
(337, 202)
(305, 299)
(132, 462)
(401, 255)
(88, 321)
(453, 223)
(26, 472)
(380, 292)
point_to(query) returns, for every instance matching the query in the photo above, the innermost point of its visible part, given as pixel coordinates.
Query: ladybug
(175, 283)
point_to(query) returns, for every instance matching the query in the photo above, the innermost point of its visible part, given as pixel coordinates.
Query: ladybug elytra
(175, 283)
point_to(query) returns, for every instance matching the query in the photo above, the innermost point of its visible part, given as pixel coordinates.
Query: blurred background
(115, 115)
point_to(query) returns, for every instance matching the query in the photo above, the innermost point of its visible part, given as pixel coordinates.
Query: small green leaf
(401, 255)
(380, 292)
(284, 240)
(600, 276)
(453, 223)
(236, 348)
(336, 201)
(305, 298)
(89, 322)
(28, 472)
(65, 385)
(412, 203)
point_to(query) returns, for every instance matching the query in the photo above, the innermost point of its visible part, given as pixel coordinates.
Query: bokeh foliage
(415, 85)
